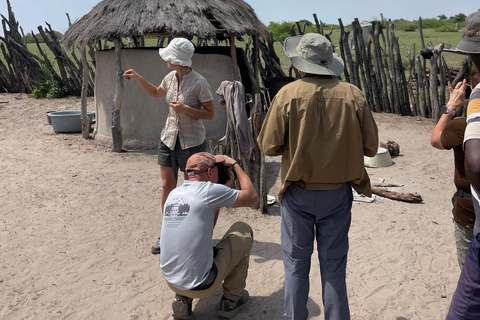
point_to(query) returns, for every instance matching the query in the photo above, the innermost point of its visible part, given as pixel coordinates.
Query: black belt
(205, 286)
(462, 193)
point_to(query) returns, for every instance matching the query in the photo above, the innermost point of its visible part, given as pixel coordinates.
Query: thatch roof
(187, 18)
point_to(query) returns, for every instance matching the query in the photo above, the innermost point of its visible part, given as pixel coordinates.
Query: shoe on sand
(228, 309)
(182, 307)
(156, 247)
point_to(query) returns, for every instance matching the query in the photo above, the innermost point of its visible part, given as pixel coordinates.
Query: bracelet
(234, 163)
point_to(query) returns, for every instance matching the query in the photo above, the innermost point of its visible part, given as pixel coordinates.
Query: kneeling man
(192, 266)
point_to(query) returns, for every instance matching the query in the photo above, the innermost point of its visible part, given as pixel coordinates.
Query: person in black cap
(322, 127)
(465, 303)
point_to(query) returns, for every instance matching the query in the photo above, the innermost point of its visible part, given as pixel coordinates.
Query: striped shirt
(194, 90)
(473, 132)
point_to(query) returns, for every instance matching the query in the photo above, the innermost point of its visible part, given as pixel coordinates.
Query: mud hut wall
(143, 117)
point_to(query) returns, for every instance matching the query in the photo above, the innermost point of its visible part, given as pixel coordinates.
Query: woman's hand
(131, 74)
(178, 107)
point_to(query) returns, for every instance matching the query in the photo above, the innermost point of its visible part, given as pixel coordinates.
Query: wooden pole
(348, 55)
(258, 170)
(394, 86)
(365, 67)
(379, 54)
(85, 78)
(377, 64)
(233, 55)
(421, 88)
(434, 82)
(424, 68)
(401, 80)
(117, 103)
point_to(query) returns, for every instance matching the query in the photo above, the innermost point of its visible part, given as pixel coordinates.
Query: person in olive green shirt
(322, 127)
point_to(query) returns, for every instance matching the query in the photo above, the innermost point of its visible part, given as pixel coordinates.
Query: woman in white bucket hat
(190, 99)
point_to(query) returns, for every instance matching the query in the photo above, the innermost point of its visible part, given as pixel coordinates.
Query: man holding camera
(466, 299)
(192, 266)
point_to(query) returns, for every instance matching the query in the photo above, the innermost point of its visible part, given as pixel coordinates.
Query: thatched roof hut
(186, 18)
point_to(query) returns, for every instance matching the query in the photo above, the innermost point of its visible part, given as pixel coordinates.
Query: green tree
(459, 18)
(308, 23)
(442, 17)
(280, 30)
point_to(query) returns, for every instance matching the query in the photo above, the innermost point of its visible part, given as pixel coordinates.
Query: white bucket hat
(179, 51)
(313, 53)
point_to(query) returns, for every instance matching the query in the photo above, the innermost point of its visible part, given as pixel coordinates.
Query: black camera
(223, 173)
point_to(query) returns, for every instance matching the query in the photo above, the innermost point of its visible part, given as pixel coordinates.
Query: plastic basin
(381, 159)
(68, 121)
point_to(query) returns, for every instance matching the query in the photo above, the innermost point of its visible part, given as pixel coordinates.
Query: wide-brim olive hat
(313, 53)
(470, 42)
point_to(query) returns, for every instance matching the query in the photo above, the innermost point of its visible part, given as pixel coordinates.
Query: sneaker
(156, 247)
(228, 309)
(182, 307)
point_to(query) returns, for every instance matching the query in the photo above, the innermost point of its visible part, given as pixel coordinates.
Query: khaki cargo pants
(233, 254)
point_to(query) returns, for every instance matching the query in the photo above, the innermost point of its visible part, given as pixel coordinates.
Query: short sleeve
(167, 81)
(473, 115)
(220, 196)
(452, 134)
(202, 91)
(472, 131)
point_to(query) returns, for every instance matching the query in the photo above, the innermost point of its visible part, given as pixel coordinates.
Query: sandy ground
(77, 222)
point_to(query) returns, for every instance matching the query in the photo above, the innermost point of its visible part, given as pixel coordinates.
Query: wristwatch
(450, 112)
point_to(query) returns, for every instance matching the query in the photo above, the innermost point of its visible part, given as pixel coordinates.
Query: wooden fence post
(84, 117)
(117, 102)
(365, 67)
(349, 60)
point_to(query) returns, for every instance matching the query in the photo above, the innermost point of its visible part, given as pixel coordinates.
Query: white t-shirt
(187, 230)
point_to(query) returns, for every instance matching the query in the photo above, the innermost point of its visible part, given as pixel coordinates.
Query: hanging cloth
(232, 95)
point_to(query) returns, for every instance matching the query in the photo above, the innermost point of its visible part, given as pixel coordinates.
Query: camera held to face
(223, 173)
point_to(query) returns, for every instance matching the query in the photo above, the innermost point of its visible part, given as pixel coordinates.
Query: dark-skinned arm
(472, 162)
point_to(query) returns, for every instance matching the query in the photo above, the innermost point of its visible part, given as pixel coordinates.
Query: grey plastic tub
(48, 117)
(68, 121)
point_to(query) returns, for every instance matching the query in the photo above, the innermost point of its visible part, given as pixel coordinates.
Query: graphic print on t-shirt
(175, 211)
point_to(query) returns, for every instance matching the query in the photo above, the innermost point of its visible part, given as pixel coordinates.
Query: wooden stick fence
(376, 68)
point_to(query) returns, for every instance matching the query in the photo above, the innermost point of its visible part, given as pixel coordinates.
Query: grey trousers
(324, 215)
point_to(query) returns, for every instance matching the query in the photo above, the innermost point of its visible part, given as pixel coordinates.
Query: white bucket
(381, 159)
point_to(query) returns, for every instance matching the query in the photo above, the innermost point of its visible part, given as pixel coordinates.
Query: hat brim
(469, 46)
(333, 68)
(169, 55)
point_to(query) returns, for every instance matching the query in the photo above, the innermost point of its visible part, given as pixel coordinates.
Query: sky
(33, 13)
